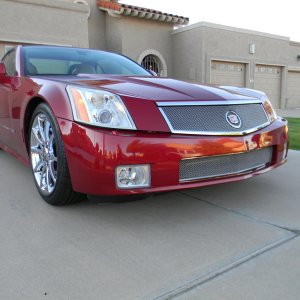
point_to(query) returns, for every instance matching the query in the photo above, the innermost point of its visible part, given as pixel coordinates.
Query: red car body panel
(94, 153)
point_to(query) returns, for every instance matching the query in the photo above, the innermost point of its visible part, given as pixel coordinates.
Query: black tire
(48, 159)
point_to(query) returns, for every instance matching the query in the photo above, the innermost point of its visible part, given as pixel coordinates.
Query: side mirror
(2, 69)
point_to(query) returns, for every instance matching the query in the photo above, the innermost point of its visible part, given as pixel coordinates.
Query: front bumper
(93, 155)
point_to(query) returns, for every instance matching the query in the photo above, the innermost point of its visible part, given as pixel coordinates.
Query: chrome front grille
(209, 118)
(223, 165)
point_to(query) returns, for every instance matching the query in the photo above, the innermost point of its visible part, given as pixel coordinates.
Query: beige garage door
(228, 73)
(293, 90)
(268, 79)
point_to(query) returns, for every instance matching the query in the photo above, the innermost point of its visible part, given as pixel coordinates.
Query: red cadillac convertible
(96, 123)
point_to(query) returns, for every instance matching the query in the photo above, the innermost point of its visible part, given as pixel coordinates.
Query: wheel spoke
(47, 130)
(37, 134)
(41, 120)
(51, 143)
(53, 158)
(42, 177)
(52, 172)
(47, 175)
(36, 150)
(37, 168)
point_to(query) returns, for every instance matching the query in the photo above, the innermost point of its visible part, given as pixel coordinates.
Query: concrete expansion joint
(201, 280)
(196, 282)
(234, 211)
(295, 231)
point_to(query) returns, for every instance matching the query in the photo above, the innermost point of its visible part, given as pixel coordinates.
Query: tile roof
(140, 12)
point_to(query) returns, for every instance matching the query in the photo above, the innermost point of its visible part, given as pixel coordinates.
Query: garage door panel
(228, 73)
(293, 90)
(268, 79)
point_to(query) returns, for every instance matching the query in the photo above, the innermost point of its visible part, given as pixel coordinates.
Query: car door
(6, 90)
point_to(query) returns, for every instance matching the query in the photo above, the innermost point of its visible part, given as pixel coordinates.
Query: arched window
(154, 61)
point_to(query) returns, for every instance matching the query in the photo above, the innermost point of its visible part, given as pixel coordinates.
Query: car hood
(141, 94)
(153, 88)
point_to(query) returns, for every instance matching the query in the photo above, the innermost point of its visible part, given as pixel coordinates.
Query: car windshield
(41, 60)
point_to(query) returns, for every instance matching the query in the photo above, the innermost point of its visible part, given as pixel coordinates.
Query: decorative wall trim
(114, 8)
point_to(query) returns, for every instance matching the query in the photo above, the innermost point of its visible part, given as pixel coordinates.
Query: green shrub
(294, 133)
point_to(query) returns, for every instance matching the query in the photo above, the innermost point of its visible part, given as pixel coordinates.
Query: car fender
(53, 94)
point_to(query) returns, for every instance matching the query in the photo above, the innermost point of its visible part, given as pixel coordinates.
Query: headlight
(269, 109)
(99, 108)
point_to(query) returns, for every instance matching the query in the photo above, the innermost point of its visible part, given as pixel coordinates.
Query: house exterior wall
(42, 22)
(96, 23)
(96, 26)
(197, 46)
(141, 35)
(294, 51)
(134, 36)
(215, 42)
(222, 44)
(114, 40)
(189, 53)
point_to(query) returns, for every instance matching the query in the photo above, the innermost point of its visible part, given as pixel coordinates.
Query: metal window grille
(153, 63)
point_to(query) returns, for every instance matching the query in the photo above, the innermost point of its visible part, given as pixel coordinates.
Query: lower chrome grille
(223, 165)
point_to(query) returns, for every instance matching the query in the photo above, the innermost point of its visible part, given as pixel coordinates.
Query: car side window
(10, 63)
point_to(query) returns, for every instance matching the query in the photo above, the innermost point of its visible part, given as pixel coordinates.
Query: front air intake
(223, 165)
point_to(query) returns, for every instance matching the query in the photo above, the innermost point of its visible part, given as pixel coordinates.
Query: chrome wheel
(43, 154)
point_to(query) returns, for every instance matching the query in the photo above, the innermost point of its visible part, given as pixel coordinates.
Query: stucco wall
(228, 45)
(197, 45)
(114, 40)
(294, 51)
(133, 36)
(188, 55)
(140, 35)
(43, 21)
(96, 24)
(97, 27)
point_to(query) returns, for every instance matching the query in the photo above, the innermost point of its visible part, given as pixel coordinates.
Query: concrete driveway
(232, 241)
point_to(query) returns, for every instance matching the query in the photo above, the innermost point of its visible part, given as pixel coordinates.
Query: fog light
(134, 176)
